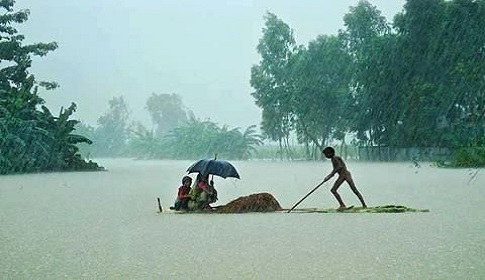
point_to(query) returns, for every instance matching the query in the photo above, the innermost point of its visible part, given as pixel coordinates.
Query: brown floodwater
(104, 225)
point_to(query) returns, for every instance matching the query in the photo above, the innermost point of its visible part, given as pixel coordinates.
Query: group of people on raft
(203, 193)
(197, 196)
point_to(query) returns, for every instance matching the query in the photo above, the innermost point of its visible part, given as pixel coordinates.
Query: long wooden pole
(308, 194)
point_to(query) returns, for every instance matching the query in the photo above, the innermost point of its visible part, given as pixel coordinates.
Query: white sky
(201, 50)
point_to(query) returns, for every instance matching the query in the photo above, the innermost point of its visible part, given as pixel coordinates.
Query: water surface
(104, 225)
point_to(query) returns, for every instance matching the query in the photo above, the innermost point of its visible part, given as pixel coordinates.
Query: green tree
(366, 35)
(64, 152)
(167, 112)
(270, 79)
(30, 138)
(89, 131)
(144, 143)
(442, 73)
(112, 131)
(196, 139)
(243, 143)
(320, 79)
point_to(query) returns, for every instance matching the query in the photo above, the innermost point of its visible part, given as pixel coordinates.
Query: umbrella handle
(215, 158)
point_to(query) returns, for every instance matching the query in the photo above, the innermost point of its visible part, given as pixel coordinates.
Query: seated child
(202, 193)
(181, 203)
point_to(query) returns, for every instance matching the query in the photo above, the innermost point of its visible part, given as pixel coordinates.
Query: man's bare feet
(342, 208)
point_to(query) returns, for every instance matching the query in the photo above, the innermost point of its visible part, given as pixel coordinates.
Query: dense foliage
(31, 138)
(198, 139)
(178, 134)
(416, 82)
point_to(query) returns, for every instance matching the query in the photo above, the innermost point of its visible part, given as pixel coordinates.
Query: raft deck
(376, 209)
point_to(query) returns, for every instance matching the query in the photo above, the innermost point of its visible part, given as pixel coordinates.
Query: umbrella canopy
(220, 168)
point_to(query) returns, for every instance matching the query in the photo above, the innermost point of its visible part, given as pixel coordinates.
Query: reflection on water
(104, 225)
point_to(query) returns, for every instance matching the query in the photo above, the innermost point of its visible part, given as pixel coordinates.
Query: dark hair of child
(329, 151)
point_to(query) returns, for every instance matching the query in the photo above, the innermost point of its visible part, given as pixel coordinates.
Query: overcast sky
(201, 50)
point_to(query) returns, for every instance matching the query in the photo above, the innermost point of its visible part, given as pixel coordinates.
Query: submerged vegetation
(471, 156)
(32, 139)
(376, 209)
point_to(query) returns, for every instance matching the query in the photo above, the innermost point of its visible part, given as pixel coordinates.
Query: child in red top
(183, 194)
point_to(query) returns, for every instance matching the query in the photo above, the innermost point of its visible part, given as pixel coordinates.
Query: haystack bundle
(259, 202)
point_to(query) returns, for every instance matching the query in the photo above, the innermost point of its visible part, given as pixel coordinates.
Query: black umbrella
(220, 168)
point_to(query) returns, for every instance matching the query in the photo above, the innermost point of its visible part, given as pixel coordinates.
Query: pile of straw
(259, 202)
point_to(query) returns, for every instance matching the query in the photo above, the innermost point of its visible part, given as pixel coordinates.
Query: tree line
(177, 133)
(417, 81)
(32, 139)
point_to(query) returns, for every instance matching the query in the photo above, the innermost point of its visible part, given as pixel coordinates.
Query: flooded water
(104, 225)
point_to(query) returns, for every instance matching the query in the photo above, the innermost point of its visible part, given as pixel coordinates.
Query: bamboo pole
(308, 194)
